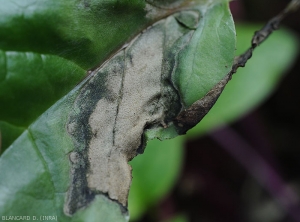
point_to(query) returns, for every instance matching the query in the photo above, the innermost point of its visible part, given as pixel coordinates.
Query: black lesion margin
(190, 117)
(79, 194)
(169, 96)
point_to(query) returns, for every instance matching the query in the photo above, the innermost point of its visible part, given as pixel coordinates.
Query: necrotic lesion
(131, 92)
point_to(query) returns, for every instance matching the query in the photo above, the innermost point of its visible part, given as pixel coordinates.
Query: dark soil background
(249, 171)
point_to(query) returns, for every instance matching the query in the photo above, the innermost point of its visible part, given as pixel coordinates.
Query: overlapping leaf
(251, 85)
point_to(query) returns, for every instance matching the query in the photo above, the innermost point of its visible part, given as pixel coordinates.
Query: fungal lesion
(130, 93)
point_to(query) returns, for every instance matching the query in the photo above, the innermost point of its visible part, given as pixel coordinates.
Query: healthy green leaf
(9, 133)
(179, 218)
(85, 32)
(30, 82)
(208, 56)
(154, 174)
(102, 210)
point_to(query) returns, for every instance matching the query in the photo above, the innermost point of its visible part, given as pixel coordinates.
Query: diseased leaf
(47, 47)
(84, 141)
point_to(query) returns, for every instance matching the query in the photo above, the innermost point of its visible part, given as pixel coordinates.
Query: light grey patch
(98, 89)
(110, 152)
(132, 92)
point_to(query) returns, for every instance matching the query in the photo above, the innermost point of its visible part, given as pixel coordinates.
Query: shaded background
(249, 170)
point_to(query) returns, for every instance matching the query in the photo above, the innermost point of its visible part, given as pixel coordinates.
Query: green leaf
(102, 210)
(9, 133)
(85, 32)
(251, 85)
(208, 57)
(154, 174)
(34, 178)
(74, 157)
(30, 82)
(29, 182)
(179, 218)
